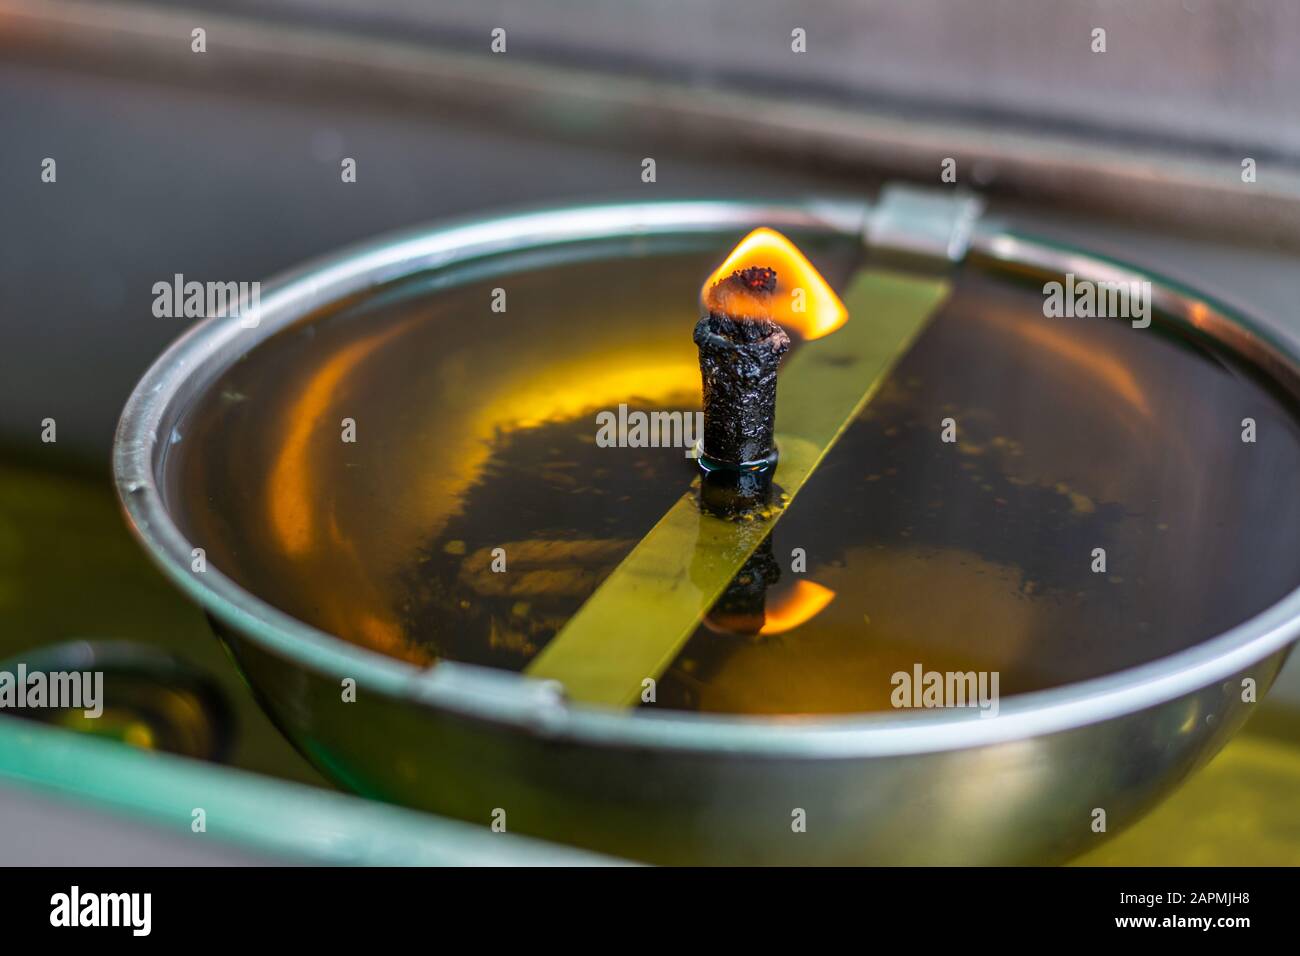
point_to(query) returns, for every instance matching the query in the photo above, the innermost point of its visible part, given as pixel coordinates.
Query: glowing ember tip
(756, 278)
(766, 276)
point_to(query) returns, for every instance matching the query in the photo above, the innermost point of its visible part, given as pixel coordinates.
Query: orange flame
(797, 606)
(803, 301)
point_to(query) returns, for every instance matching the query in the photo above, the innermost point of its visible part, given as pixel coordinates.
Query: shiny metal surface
(908, 787)
(923, 228)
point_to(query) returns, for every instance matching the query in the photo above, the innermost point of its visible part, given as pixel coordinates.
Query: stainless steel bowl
(910, 787)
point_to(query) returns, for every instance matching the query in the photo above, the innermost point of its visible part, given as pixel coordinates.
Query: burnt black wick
(740, 352)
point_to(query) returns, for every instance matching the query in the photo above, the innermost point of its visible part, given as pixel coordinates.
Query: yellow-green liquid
(476, 430)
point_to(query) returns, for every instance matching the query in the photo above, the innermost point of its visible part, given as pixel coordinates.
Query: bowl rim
(192, 362)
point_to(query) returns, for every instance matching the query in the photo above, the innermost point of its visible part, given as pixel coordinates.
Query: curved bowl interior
(473, 428)
(1099, 509)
